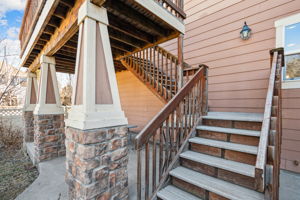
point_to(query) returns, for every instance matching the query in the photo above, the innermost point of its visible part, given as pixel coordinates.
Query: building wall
(138, 102)
(291, 129)
(239, 70)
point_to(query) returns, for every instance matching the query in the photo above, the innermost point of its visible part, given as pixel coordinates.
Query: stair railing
(166, 134)
(268, 157)
(157, 68)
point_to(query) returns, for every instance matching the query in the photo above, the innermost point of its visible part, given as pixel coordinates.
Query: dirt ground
(16, 173)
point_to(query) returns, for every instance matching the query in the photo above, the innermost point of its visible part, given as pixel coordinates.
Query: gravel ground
(16, 173)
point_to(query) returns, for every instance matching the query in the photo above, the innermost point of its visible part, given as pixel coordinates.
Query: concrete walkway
(50, 185)
(289, 185)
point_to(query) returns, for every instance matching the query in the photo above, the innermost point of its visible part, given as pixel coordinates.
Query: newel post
(96, 141)
(180, 60)
(204, 89)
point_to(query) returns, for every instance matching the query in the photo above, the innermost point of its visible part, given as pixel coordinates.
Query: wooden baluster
(151, 67)
(186, 99)
(144, 67)
(154, 163)
(147, 185)
(171, 76)
(159, 69)
(154, 68)
(177, 126)
(172, 133)
(167, 77)
(148, 65)
(162, 74)
(161, 151)
(139, 175)
(168, 142)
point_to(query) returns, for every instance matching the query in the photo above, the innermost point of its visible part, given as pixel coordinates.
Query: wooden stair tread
(230, 130)
(215, 185)
(173, 193)
(225, 145)
(233, 166)
(235, 116)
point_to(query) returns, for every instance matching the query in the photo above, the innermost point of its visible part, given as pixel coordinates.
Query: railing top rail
(155, 123)
(277, 59)
(185, 65)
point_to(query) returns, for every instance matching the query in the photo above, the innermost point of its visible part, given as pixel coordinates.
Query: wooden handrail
(275, 75)
(156, 122)
(168, 131)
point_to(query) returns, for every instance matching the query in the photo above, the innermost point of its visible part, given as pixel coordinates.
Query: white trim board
(280, 25)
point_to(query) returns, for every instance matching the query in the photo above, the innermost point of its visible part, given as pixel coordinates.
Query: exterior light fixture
(245, 32)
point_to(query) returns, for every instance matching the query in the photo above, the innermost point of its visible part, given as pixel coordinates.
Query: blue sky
(11, 13)
(11, 23)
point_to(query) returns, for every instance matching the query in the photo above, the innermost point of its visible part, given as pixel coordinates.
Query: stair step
(235, 116)
(173, 193)
(220, 187)
(229, 130)
(236, 167)
(225, 145)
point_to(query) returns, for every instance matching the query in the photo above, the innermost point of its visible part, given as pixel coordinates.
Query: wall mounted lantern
(245, 32)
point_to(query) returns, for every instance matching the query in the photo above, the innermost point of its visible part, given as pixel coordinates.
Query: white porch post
(49, 136)
(30, 103)
(96, 102)
(96, 141)
(48, 96)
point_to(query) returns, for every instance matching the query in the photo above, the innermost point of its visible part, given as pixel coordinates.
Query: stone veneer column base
(28, 135)
(97, 163)
(49, 136)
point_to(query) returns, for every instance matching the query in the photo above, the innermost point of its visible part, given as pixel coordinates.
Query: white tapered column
(48, 95)
(96, 102)
(49, 126)
(96, 133)
(31, 92)
(30, 103)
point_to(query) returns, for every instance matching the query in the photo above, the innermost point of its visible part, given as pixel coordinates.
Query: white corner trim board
(163, 14)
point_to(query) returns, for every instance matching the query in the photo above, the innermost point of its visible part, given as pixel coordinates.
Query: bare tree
(11, 82)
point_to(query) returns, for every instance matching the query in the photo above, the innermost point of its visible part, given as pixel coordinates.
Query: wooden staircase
(187, 153)
(220, 161)
(159, 70)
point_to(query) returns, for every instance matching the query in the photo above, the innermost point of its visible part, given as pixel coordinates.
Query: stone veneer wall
(97, 163)
(49, 137)
(28, 126)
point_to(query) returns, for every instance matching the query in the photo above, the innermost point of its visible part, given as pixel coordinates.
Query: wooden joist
(129, 15)
(128, 29)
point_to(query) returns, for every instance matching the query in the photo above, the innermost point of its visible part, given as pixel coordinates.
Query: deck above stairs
(220, 160)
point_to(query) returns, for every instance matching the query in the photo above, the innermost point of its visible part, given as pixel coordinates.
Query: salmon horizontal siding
(239, 70)
(291, 129)
(138, 102)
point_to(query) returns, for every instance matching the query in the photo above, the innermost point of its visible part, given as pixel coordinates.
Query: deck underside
(131, 28)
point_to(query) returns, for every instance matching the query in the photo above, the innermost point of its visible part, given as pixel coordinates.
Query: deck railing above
(175, 7)
(31, 14)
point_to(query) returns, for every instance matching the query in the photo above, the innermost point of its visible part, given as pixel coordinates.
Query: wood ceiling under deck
(131, 27)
